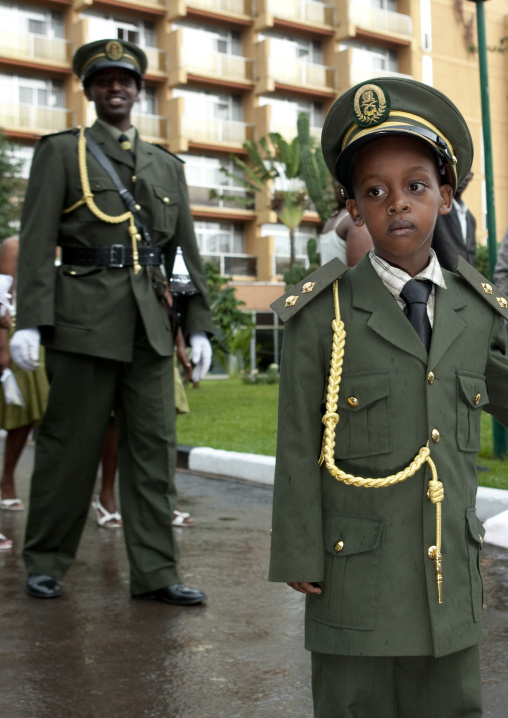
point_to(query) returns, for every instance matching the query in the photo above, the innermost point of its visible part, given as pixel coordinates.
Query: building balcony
(231, 197)
(156, 7)
(157, 62)
(276, 74)
(290, 131)
(204, 132)
(35, 49)
(236, 265)
(353, 68)
(210, 67)
(152, 128)
(229, 11)
(369, 22)
(313, 16)
(32, 120)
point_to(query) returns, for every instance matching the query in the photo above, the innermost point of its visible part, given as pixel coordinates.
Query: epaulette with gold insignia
(301, 294)
(494, 296)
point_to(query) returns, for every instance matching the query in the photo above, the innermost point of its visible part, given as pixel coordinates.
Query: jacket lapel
(110, 146)
(144, 154)
(386, 317)
(448, 324)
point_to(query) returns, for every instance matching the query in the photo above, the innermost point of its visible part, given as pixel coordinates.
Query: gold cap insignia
(371, 105)
(113, 50)
(487, 287)
(502, 302)
(291, 301)
(308, 287)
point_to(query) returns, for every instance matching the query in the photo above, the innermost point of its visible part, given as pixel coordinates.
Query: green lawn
(227, 414)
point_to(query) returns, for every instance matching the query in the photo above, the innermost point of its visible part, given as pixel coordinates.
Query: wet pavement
(95, 652)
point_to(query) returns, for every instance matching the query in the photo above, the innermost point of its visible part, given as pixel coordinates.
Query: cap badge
(114, 50)
(371, 105)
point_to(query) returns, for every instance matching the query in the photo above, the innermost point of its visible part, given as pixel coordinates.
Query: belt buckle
(115, 260)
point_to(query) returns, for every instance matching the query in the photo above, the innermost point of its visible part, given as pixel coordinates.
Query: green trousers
(83, 391)
(392, 687)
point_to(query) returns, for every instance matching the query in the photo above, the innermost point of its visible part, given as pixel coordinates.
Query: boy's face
(398, 195)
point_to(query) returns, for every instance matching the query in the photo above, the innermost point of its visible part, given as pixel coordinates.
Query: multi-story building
(223, 71)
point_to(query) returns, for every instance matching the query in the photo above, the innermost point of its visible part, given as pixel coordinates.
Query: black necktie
(416, 295)
(126, 145)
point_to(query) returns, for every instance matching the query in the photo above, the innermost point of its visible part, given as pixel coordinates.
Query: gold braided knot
(90, 203)
(330, 421)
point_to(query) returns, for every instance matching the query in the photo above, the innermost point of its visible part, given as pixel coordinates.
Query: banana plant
(314, 171)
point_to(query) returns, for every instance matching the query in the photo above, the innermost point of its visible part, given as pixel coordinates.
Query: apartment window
(426, 25)
(204, 174)
(218, 106)
(24, 153)
(280, 233)
(285, 111)
(31, 20)
(207, 38)
(294, 48)
(141, 32)
(373, 57)
(219, 237)
(32, 91)
(147, 102)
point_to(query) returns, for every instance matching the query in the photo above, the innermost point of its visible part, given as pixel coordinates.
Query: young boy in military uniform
(386, 368)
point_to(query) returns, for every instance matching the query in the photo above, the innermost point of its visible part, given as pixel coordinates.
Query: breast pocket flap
(473, 390)
(359, 391)
(166, 196)
(475, 526)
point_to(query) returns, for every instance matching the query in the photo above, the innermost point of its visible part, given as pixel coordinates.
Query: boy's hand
(305, 587)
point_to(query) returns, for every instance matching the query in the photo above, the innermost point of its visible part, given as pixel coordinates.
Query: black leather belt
(116, 255)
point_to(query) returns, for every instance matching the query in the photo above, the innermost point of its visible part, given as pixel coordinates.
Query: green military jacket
(368, 547)
(93, 310)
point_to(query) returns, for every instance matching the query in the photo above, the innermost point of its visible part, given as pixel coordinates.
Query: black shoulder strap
(126, 196)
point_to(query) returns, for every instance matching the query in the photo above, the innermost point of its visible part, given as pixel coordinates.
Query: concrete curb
(260, 470)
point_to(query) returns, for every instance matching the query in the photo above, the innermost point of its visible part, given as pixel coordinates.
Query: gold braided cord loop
(90, 203)
(330, 421)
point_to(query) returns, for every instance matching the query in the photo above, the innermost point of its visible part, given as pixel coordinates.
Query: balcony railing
(240, 265)
(213, 131)
(148, 3)
(385, 21)
(362, 74)
(233, 7)
(229, 197)
(302, 73)
(153, 126)
(302, 11)
(35, 47)
(291, 131)
(39, 119)
(217, 64)
(157, 59)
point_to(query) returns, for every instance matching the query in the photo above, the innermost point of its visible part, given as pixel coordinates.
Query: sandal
(11, 505)
(104, 518)
(5, 543)
(182, 519)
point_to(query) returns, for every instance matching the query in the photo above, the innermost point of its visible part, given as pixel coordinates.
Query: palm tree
(274, 163)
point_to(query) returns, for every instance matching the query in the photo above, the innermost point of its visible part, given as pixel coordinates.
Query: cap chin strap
(331, 419)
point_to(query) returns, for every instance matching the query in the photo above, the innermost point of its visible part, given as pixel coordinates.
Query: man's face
(398, 196)
(114, 91)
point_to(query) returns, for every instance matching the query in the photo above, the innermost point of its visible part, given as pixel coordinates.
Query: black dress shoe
(40, 586)
(177, 594)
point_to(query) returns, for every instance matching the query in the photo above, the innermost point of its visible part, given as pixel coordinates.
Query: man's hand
(201, 355)
(25, 348)
(305, 587)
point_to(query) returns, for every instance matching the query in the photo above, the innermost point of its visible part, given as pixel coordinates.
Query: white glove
(5, 297)
(201, 355)
(12, 393)
(24, 348)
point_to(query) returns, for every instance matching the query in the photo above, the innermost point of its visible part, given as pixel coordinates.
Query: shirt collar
(115, 132)
(395, 278)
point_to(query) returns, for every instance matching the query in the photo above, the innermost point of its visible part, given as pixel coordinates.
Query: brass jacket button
(430, 377)
(435, 435)
(138, 206)
(352, 401)
(432, 551)
(166, 200)
(477, 398)
(339, 546)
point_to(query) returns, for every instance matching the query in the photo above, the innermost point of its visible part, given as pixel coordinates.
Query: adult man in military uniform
(108, 337)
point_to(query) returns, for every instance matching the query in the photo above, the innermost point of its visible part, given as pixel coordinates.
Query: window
(147, 103)
(32, 91)
(21, 19)
(141, 32)
(426, 25)
(210, 39)
(294, 48)
(218, 106)
(285, 111)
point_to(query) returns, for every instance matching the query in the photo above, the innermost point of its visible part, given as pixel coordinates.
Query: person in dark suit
(108, 336)
(455, 233)
(386, 367)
